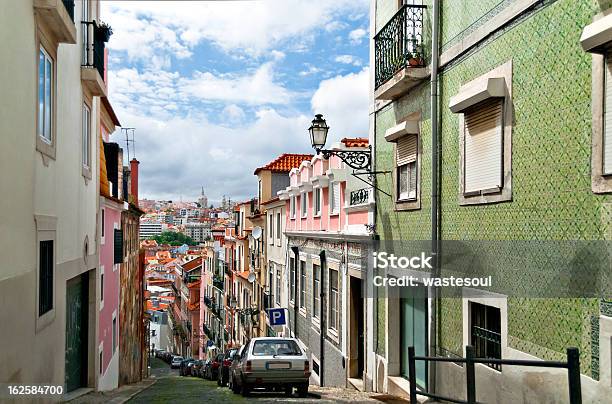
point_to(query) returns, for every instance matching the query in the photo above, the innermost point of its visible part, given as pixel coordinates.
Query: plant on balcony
(104, 32)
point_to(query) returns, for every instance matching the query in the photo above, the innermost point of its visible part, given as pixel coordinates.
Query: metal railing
(69, 6)
(359, 196)
(218, 282)
(399, 43)
(93, 47)
(572, 365)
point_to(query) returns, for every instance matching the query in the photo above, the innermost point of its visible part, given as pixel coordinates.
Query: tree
(173, 238)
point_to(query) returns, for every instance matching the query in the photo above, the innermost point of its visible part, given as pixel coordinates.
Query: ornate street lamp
(358, 159)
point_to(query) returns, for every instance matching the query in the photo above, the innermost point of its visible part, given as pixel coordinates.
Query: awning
(477, 91)
(407, 127)
(596, 36)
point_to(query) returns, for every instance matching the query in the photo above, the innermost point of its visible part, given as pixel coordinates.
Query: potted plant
(104, 32)
(416, 59)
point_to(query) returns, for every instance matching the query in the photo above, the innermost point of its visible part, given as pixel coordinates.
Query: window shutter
(406, 149)
(483, 147)
(118, 247)
(607, 138)
(336, 197)
(413, 180)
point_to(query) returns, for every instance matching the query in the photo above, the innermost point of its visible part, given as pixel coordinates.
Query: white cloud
(310, 70)
(357, 35)
(161, 29)
(343, 101)
(348, 59)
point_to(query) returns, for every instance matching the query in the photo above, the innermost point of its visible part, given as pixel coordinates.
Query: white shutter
(335, 197)
(607, 135)
(406, 150)
(483, 147)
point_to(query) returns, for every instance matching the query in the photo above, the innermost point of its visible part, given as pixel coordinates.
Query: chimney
(134, 177)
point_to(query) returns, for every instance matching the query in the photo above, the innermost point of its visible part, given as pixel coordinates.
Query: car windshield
(276, 347)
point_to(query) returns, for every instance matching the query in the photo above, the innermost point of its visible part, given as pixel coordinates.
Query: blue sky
(216, 89)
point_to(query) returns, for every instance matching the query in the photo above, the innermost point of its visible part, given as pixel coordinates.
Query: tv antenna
(129, 138)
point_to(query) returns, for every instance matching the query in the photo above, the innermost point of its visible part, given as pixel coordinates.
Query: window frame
(86, 132)
(292, 281)
(332, 200)
(292, 206)
(505, 193)
(279, 227)
(278, 285)
(316, 291)
(303, 205)
(316, 198)
(46, 230)
(601, 183)
(302, 291)
(333, 313)
(46, 148)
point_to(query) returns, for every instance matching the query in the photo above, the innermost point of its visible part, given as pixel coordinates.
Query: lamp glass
(318, 132)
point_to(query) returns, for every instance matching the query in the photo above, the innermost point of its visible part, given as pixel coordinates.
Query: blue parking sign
(277, 317)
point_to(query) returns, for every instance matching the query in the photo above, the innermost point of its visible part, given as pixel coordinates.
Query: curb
(138, 391)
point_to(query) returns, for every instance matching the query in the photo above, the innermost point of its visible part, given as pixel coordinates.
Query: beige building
(51, 78)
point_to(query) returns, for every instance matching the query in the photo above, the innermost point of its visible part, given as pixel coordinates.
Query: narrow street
(172, 388)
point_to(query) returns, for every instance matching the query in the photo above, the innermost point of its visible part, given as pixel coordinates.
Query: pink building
(111, 250)
(329, 213)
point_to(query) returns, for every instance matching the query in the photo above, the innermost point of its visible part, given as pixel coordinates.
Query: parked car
(272, 363)
(213, 369)
(205, 369)
(225, 366)
(235, 361)
(196, 368)
(175, 363)
(184, 368)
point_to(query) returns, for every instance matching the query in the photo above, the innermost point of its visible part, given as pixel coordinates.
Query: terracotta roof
(285, 162)
(355, 142)
(193, 264)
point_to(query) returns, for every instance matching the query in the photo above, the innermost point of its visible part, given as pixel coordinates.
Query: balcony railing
(399, 43)
(93, 46)
(69, 5)
(359, 196)
(218, 282)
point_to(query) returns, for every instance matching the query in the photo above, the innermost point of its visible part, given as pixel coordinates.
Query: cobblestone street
(170, 387)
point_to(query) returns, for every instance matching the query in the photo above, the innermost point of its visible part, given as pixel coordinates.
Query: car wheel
(288, 391)
(245, 389)
(234, 387)
(302, 390)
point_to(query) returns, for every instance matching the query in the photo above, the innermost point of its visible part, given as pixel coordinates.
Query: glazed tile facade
(551, 164)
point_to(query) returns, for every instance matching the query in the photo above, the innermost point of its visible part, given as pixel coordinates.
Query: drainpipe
(296, 253)
(323, 269)
(435, 188)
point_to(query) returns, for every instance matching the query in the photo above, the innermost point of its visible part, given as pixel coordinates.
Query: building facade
(327, 215)
(51, 123)
(498, 150)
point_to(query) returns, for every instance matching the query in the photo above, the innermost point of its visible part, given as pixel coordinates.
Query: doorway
(413, 331)
(357, 330)
(77, 323)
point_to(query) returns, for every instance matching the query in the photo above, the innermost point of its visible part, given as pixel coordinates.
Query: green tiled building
(523, 156)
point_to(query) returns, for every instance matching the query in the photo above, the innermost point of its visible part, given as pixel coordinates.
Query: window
(316, 291)
(292, 279)
(46, 85)
(45, 267)
(483, 146)
(118, 246)
(317, 201)
(304, 204)
(101, 287)
(607, 138)
(334, 198)
(271, 227)
(333, 299)
(292, 207)
(276, 347)
(406, 160)
(114, 333)
(102, 225)
(86, 136)
(278, 285)
(303, 284)
(278, 226)
(101, 356)
(485, 332)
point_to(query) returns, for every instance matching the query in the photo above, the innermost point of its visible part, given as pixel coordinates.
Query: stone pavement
(117, 396)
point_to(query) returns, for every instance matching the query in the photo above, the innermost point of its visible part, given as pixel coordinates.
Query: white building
(199, 232)
(150, 229)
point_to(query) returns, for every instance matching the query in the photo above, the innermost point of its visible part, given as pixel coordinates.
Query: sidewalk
(344, 395)
(117, 396)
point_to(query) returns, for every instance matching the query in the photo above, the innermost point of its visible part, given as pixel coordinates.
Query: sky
(216, 89)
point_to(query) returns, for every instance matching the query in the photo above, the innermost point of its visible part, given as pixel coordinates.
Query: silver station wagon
(271, 363)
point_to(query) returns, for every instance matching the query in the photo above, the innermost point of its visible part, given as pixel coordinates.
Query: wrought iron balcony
(218, 282)
(93, 46)
(359, 196)
(69, 5)
(399, 44)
